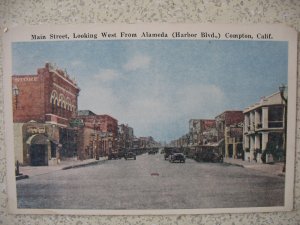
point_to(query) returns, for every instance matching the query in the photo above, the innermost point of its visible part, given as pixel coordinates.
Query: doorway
(38, 155)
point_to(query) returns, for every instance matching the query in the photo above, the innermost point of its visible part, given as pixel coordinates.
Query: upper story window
(275, 116)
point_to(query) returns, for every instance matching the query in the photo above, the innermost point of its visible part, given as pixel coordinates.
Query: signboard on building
(36, 130)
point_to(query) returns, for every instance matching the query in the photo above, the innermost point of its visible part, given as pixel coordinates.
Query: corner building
(43, 105)
(229, 126)
(264, 129)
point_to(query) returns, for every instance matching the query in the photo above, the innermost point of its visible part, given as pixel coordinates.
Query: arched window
(68, 104)
(53, 96)
(55, 106)
(61, 103)
(52, 106)
(53, 101)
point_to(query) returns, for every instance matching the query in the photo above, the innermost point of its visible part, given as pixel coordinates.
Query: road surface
(150, 182)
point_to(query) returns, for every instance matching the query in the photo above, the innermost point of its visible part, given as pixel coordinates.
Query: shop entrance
(38, 155)
(39, 147)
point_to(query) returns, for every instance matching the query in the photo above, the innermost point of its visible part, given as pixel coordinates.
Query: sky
(156, 86)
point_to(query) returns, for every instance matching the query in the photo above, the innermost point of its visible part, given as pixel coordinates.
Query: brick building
(98, 134)
(147, 142)
(43, 104)
(229, 126)
(198, 128)
(88, 129)
(50, 96)
(125, 136)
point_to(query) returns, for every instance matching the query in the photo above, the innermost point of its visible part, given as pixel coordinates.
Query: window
(61, 104)
(275, 116)
(53, 101)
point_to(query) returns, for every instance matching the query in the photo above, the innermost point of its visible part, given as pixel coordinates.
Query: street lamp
(284, 97)
(16, 92)
(283, 92)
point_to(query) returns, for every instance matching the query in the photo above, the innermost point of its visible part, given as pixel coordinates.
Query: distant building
(181, 142)
(229, 125)
(108, 124)
(197, 129)
(98, 135)
(125, 136)
(136, 144)
(43, 105)
(88, 128)
(264, 128)
(194, 130)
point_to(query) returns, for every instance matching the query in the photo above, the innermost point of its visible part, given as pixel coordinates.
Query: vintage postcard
(137, 119)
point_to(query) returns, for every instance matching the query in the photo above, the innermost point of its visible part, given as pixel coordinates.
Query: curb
(233, 164)
(82, 165)
(246, 167)
(21, 177)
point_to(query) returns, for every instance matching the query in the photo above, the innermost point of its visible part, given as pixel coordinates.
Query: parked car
(115, 155)
(112, 156)
(130, 155)
(212, 157)
(169, 152)
(177, 157)
(151, 152)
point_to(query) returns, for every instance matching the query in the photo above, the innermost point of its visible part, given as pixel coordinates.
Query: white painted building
(263, 124)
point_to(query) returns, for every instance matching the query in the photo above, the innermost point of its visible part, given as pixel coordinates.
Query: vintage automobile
(212, 157)
(115, 155)
(168, 151)
(152, 152)
(130, 155)
(177, 157)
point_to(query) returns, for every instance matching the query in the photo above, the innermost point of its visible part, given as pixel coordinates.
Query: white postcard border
(278, 32)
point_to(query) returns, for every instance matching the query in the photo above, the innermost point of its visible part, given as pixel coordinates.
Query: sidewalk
(272, 169)
(30, 171)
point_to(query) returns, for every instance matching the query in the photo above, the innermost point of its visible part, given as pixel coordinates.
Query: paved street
(150, 182)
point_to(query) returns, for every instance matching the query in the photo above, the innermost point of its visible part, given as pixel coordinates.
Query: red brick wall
(34, 99)
(226, 119)
(207, 124)
(108, 124)
(233, 117)
(29, 104)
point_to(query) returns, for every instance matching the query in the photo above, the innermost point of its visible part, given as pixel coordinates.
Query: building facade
(229, 125)
(125, 136)
(264, 129)
(98, 134)
(199, 130)
(109, 134)
(43, 105)
(50, 96)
